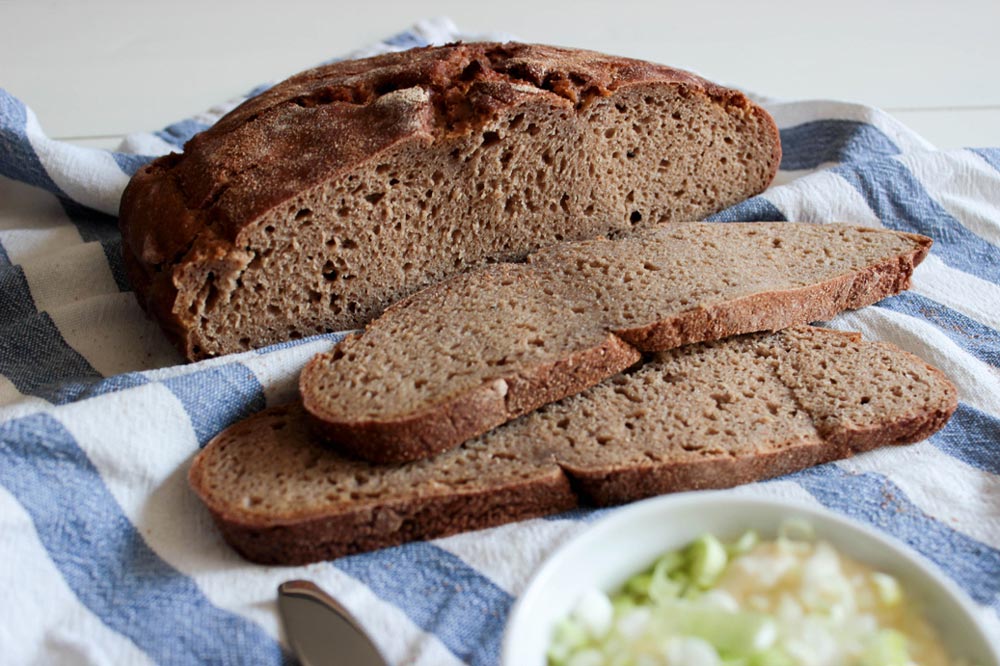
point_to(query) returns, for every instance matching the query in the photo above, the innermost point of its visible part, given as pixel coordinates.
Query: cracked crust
(195, 226)
(711, 415)
(457, 359)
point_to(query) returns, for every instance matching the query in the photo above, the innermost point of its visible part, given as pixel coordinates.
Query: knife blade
(321, 631)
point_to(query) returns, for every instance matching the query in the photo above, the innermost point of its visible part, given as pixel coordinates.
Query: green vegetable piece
(568, 637)
(623, 603)
(747, 542)
(670, 562)
(734, 635)
(708, 559)
(638, 585)
(888, 648)
(663, 585)
(771, 657)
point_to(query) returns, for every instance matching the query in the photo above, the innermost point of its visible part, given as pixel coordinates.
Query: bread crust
(445, 424)
(294, 541)
(434, 506)
(186, 218)
(778, 310)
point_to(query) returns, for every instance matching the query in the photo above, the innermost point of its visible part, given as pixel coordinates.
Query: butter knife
(320, 631)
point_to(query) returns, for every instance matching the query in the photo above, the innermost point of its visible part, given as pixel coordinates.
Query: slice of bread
(710, 415)
(482, 348)
(316, 204)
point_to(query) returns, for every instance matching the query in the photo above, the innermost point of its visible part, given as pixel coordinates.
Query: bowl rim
(676, 502)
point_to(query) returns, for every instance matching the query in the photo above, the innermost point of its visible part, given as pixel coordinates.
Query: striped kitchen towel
(107, 557)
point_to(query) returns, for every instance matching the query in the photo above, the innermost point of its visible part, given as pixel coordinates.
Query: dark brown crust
(369, 529)
(777, 310)
(181, 208)
(629, 484)
(441, 427)
(299, 538)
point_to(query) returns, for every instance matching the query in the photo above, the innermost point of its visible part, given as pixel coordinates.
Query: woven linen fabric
(109, 558)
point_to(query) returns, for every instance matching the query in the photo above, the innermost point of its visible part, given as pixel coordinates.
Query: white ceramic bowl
(628, 541)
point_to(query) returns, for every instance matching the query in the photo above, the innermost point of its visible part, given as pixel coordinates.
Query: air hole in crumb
(329, 271)
(490, 139)
(374, 197)
(303, 212)
(635, 217)
(393, 181)
(269, 229)
(632, 153)
(348, 244)
(865, 400)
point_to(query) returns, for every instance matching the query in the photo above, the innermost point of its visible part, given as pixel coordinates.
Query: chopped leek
(788, 602)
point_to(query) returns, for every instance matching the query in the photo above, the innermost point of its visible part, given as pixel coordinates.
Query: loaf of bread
(313, 206)
(484, 347)
(710, 415)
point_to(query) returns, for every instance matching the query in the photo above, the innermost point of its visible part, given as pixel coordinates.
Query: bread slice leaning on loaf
(482, 348)
(316, 204)
(710, 415)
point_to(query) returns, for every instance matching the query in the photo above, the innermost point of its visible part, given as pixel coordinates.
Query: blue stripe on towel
(38, 361)
(898, 199)
(977, 339)
(131, 163)
(440, 593)
(33, 354)
(116, 263)
(18, 159)
(811, 144)
(95, 226)
(990, 155)
(755, 209)
(971, 436)
(15, 296)
(179, 133)
(217, 397)
(106, 562)
(288, 344)
(874, 499)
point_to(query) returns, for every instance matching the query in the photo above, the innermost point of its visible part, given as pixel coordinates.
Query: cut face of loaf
(315, 205)
(711, 415)
(482, 348)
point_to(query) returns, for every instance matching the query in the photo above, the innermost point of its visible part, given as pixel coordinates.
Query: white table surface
(94, 71)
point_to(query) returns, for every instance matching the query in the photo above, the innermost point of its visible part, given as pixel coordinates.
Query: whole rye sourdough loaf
(484, 347)
(711, 415)
(316, 204)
